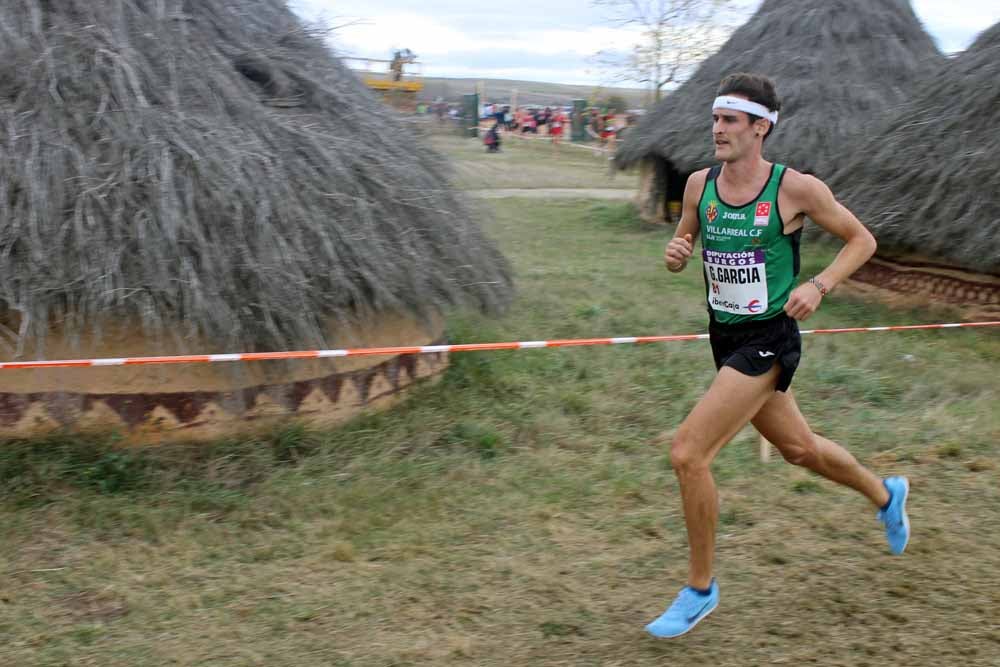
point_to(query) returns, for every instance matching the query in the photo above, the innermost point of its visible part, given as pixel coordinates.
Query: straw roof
(210, 169)
(929, 184)
(836, 63)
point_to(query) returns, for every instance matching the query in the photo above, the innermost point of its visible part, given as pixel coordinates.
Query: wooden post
(765, 450)
(578, 123)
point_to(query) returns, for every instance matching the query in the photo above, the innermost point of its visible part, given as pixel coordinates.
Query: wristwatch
(818, 285)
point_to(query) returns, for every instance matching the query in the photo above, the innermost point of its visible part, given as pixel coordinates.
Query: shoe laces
(687, 600)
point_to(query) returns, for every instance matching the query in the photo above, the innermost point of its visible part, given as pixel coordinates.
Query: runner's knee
(687, 454)
(798, 450)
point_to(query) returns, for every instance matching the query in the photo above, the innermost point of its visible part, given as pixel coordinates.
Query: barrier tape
(430, 349)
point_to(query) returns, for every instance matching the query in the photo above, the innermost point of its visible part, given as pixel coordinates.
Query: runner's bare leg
(781, 422)
(727, 406)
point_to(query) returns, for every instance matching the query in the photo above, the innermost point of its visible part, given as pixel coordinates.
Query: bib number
(737, 281)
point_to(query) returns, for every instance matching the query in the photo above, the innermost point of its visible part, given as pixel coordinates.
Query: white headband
(740, 104)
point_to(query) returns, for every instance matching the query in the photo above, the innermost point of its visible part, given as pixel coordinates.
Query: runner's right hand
(678, 253)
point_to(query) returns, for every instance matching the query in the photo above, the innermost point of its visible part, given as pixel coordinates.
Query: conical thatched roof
(209, 168)
(930, 183)
(836, 63)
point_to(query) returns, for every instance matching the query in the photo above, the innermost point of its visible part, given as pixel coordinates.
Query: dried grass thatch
(208, 168)
(836, 63)
(930, 184)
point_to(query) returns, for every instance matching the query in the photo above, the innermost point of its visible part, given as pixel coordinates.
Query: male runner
(749, 213)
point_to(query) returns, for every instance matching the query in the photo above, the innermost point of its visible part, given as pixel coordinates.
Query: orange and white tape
(429, 349)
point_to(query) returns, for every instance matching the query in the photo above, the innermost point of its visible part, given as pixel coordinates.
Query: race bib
(737, 281)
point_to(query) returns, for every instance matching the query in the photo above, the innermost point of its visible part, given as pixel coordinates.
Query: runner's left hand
(803, 302)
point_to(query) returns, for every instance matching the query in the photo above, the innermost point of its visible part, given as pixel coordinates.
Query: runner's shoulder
(803, 188)
(700, 175)
(696, 183)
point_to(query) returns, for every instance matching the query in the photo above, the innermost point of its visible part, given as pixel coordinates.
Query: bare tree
(673, 36)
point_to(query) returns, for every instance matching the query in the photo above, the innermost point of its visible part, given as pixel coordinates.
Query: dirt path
(554, 193)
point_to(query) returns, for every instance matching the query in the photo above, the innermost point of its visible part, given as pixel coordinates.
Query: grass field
(529, 163)
(522, 511)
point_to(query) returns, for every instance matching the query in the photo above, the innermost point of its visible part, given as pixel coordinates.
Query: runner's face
(733, 134)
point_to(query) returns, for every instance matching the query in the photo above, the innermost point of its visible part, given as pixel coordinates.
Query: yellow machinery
(398, 88)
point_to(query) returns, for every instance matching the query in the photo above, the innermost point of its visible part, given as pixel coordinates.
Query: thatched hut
(203, 177)
(836, 63)
(929, 188)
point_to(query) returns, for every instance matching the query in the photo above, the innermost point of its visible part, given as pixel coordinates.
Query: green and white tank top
(751, 265)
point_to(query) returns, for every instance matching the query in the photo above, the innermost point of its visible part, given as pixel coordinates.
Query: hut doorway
(673, 190)
(661, 190)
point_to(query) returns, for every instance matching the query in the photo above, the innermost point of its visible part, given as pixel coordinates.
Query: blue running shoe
(687, 609)
(897, 524)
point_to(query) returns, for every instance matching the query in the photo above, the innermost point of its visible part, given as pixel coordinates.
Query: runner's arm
(681, 247)
(818, 203)
(859, 244)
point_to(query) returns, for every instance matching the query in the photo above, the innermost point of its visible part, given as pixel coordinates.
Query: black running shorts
(753, 347)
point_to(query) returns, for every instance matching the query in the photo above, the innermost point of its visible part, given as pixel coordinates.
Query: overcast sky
(548, 40)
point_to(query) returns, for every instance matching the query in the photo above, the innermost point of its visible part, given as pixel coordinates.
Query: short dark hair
(757, 88)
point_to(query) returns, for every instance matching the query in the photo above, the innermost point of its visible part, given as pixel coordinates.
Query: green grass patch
(529, 164)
